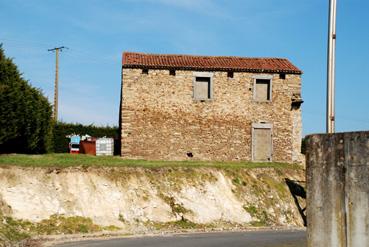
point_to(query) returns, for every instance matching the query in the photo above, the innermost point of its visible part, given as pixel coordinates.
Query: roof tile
(210, 63)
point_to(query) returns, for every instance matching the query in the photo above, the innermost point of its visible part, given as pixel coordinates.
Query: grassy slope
(68, 160)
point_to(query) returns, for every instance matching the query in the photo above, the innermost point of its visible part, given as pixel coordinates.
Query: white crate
(105, 146)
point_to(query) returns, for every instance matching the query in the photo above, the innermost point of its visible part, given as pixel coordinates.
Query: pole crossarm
(58, 48)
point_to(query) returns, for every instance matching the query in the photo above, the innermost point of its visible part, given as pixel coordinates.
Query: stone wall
(161, 120)
(337, 171)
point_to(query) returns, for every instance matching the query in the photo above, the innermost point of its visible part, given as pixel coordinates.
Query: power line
(56, 93)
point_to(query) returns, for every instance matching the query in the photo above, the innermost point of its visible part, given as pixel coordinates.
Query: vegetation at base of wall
(187, 225)
(61, 130)
(13, 231)
(25, 113)
(74, 160)
(260, 215)
(175, 225)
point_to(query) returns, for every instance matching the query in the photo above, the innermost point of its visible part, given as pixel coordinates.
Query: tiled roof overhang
(208, 63)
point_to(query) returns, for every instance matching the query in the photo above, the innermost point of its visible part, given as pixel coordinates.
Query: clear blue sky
(97, 32)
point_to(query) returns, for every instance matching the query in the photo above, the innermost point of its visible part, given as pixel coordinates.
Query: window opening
(202, 88)
(262, 90)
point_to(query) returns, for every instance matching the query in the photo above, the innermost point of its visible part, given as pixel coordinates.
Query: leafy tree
(25, 113)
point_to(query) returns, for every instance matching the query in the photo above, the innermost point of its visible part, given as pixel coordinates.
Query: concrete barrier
(337, 175)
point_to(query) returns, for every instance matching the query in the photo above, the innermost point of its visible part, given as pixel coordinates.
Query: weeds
(13, 231)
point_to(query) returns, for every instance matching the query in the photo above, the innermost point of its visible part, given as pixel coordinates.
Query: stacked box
(105, 146)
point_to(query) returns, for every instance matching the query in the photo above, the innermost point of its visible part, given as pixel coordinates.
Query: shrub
(25, 113)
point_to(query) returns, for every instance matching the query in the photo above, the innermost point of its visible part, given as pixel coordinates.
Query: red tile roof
(208, 63)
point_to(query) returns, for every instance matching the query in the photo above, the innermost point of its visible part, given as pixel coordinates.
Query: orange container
(87, 147)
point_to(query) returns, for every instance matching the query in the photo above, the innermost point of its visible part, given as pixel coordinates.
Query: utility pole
(55, 110)
(331, 67)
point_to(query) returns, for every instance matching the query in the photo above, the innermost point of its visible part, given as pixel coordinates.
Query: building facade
(178, 107)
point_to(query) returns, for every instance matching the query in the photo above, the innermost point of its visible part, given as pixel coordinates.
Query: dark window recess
(282, 76)
(172, 72)
(230, 74)
(145, 71)
(189, 155)
(74, 145)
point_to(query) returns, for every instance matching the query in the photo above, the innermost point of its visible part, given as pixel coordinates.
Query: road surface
(224, 239)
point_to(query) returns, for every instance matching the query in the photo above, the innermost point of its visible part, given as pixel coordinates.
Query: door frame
(261, 126)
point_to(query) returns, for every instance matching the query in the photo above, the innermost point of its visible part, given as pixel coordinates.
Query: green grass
(12, 231)
(69, 160)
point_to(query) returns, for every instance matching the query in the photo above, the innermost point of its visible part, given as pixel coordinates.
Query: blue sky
(98, 31)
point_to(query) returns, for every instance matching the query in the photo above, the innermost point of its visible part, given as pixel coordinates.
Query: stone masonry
(160, 119)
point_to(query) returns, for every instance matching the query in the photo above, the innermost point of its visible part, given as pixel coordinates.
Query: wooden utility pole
(331, 67)
(56, 93)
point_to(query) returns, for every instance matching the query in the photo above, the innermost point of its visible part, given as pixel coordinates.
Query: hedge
(25, 113)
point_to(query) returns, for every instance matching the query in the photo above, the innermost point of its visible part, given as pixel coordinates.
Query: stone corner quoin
(171, 110)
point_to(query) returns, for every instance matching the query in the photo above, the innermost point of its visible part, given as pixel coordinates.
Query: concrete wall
(161, 120)
(338, 189)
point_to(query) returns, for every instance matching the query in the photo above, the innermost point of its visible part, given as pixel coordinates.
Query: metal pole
(331, 67)
(56, 85)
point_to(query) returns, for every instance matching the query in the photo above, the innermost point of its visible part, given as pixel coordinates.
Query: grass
(13, 231)
(69, 160)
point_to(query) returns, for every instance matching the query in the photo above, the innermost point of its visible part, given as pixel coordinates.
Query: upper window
(262, 91)
(202, 88)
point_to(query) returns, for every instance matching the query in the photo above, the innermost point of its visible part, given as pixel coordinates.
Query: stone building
(178, 107)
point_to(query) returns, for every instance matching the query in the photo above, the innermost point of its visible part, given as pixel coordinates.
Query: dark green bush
(25, 113)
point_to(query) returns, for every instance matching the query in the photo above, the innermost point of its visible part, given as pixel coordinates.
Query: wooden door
(262, 144)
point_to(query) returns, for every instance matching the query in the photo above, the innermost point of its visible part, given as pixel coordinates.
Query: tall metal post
(331, 67)
(56, 93)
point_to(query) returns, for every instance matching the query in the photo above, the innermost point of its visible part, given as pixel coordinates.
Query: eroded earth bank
(130, 200)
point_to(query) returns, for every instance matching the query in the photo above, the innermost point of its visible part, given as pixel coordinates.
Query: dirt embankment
(143, 198)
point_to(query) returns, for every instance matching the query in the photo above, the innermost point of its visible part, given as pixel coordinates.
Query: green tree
(25, 113)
